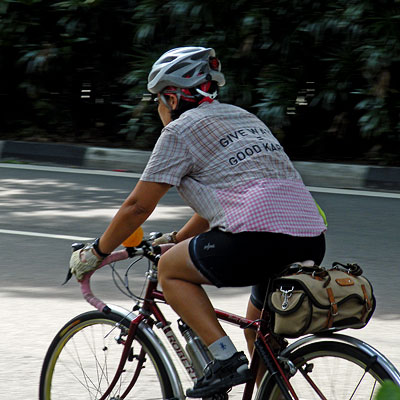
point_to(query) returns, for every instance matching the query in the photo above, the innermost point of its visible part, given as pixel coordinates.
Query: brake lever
(75, 247)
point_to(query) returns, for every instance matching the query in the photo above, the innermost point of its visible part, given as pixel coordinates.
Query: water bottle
(196, 349)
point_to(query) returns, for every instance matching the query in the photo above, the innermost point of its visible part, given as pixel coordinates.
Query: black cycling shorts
(250, 258)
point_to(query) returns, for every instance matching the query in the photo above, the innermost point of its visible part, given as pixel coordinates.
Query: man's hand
(165, 239)
(83, 261)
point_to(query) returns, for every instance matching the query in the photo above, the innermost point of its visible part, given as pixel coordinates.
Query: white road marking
(353, 192)
(71, 170)
(46, 235)
(314, 189)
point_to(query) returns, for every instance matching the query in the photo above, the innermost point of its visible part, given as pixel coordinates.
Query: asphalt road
(42, 212)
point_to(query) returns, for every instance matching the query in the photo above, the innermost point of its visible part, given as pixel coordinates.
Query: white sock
(223, 348)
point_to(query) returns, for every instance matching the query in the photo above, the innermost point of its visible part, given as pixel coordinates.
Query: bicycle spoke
(358, 385)
(93, 348)
(373, 391)
(100, 364)
(99, 369)
(339, 372)
(306, 376)
(85, 359)
(77, 360)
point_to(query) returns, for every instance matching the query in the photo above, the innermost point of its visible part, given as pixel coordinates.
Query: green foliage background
(324, 75)
(388, 391)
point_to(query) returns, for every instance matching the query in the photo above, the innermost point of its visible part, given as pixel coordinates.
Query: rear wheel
(82, 359)
(339, 371)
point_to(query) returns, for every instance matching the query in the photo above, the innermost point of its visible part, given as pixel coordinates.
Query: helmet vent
(198, 56)
(190, 73)
(167, 59)
(176, 67)
(185, 67)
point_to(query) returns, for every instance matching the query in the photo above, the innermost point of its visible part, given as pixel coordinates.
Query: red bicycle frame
(150, 308)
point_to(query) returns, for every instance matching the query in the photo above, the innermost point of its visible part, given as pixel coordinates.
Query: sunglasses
(150, 98)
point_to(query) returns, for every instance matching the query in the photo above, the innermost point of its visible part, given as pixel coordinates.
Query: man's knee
(163, 269)
(169, 266)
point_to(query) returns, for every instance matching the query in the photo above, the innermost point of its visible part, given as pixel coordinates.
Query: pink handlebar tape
(85, 283)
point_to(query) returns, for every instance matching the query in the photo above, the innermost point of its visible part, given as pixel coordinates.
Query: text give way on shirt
(252, 149)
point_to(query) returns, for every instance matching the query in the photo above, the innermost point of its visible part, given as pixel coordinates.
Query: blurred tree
(323, 75)
(64, 64)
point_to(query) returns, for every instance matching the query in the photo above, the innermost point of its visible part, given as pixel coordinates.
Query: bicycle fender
(158, 345)
(364, 347)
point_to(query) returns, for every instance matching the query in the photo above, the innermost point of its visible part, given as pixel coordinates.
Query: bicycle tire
(83, 356)
(340, 371)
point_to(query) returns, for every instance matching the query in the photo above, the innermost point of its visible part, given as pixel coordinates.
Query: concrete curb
(332, 175)
(314, 174)
(106, 158)
(42, 152)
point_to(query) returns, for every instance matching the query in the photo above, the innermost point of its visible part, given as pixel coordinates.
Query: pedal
(218, 396)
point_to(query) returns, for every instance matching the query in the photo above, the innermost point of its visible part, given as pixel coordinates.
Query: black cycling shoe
(220, 375)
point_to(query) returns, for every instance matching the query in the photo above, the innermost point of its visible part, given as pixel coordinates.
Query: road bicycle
(114, 353)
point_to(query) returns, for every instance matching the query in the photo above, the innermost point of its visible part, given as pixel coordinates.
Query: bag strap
(367, 303)
(352, 269)
(296, 268)
(316, 270)
(333, 311)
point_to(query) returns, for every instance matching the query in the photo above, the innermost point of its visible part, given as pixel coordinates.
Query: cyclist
(245, 193)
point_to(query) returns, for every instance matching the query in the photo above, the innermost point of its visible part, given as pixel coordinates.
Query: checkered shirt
(227, 166)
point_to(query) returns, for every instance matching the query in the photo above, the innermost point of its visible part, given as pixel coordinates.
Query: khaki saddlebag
(315, 299)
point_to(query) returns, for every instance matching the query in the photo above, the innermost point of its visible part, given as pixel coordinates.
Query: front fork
(125, 355)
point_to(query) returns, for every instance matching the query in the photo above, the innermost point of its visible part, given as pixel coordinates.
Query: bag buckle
(333, 312)
(287, 294)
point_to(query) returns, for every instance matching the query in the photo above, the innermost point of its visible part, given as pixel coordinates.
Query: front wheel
(83, 357)
(338, 370)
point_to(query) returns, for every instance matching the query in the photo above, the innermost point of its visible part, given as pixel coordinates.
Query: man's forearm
(193, 227)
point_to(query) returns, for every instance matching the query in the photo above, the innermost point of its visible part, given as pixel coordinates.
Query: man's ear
(173, 101)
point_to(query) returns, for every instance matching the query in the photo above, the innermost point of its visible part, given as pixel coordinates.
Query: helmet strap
(165, 101)
(191, 98)
(212, 96)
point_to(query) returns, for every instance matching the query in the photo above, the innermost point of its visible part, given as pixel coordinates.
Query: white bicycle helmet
(185, 67)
